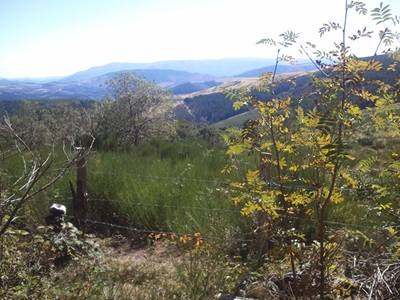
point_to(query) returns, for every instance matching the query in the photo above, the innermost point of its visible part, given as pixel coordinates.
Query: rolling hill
(198, 96)
(181, 77)
(93, 88)
(218, 68)
(280, 69)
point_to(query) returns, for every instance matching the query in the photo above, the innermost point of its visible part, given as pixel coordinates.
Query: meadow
(159, 186)
(179, 188)
(171, 203)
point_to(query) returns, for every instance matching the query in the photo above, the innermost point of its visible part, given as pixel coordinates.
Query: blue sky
(41, 38)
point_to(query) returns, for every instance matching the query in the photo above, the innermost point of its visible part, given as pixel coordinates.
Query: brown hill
(235, 83)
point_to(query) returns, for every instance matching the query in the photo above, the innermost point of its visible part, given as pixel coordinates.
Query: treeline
(10, 107)
(209, 108)
(43, 121)
(191, 87)
(212, 108)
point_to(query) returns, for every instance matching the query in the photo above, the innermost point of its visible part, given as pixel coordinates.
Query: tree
(27, 256)
(312, 147)
(27, 122)
(135, 109)
(66, 123)
(37, 173)
(39, 123)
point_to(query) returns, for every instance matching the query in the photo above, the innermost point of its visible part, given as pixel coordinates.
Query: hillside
(235, 83)
(181, 77)
(281, 69)
(212, 106)
(93, 88)
(227, 67)
(198, 97)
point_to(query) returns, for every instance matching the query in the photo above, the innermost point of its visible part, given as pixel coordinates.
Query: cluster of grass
(166, 187)
(158, 186)
(175, 188)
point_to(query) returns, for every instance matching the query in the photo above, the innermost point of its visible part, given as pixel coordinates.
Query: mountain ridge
(226, 67)
(89, 84)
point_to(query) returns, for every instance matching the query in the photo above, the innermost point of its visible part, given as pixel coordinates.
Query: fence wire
(131, 204)
(205, 209)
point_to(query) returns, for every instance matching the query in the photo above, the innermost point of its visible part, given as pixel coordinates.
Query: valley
(183, 78)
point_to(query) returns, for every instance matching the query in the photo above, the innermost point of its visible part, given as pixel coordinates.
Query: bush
(33, 266)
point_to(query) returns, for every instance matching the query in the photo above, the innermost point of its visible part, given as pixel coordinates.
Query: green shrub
(33, 266)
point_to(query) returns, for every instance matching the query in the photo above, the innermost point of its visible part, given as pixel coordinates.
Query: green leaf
(381, 14)
(267, 41)
(359, 7)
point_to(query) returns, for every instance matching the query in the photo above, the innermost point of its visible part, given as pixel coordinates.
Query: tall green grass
(160, 186)
(157, 186)
(164, 186)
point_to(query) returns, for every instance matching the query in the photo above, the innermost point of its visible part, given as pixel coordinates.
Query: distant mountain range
(218, 68)
(181, 77)
(198, 96)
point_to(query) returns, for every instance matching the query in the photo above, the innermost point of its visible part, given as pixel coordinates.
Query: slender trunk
(323, 207)
(322, 251)
(295, 285)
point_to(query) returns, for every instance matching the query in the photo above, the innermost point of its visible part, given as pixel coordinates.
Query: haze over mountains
(182, 77)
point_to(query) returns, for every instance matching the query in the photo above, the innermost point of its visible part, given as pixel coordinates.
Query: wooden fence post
(81, 197)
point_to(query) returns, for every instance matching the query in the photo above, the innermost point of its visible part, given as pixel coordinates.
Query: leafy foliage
(28, 261)
(209, 108)
(312, 146)
(135, 110)
(317, 170)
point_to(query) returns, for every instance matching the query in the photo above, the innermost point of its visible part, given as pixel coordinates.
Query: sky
(41, 38)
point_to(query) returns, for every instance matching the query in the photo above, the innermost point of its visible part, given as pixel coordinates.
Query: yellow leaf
(391, 230)
(309, 212)
(337, 198)
(236, 184)
(348, 178)
(235, 200)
